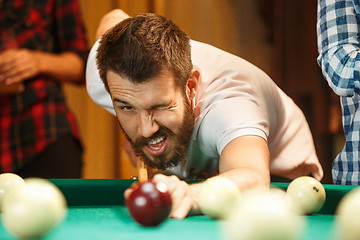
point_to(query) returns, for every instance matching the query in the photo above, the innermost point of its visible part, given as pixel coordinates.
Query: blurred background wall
(279, 36)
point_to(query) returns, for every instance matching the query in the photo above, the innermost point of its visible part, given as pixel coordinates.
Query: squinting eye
(126, 108)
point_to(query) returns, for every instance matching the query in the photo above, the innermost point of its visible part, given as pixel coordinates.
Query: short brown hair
(142, 47)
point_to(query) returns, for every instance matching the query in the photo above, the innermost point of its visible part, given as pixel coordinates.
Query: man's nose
(147, 125)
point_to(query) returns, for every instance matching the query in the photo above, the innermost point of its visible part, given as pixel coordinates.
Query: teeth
(156, 140)
(155, 148)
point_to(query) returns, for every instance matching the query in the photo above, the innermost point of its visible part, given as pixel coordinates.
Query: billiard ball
(346, 219)
(8, 182)
(34, 209)
(306, 195)
(263, 214)
(217, 196)
(149, 203)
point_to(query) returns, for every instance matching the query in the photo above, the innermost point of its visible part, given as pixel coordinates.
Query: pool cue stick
(142, 171)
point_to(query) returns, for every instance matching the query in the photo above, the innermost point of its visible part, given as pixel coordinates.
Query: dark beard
(165, 161)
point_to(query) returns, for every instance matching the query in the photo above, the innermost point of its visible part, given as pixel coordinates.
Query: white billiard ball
(8, 182)
(263, 214)
(306, 195)
(347, 216)
(34, 209)
(217, 197)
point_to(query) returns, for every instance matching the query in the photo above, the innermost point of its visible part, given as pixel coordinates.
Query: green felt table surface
(97, 211)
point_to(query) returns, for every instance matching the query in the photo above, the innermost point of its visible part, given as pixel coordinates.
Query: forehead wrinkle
(140, 97)
(119, 90)
(148, 94)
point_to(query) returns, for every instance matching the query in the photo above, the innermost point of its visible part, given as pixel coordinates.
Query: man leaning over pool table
(194, 110)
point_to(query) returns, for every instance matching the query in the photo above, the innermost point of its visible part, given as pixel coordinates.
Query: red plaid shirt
(31, 120)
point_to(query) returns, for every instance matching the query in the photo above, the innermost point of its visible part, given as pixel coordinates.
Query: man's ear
(192, 83)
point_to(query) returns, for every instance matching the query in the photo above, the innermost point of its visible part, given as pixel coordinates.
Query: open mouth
(156, 146)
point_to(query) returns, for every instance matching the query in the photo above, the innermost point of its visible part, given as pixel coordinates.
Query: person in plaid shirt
(339, 59)
(42, 44)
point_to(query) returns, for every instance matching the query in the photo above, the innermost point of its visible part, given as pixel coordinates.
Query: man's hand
(17, 65)
(183, 195)
(109, 20)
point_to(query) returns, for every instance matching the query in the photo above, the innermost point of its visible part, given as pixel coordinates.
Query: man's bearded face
(156, 116)
(177, 144)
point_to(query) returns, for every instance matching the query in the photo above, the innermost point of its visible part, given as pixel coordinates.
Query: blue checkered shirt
(338, 31)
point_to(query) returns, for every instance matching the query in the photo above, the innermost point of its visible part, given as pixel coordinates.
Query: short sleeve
(231, 118)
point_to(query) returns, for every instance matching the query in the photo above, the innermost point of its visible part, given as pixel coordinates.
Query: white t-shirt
(234, 98)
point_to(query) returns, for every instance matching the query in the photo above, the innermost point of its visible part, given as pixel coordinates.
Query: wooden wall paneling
(234, 26)
(297, 72)
(132, 7)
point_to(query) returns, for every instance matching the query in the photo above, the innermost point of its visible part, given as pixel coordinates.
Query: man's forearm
(64, 67)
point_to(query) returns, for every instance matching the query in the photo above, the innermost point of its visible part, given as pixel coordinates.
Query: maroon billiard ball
(150, 203)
